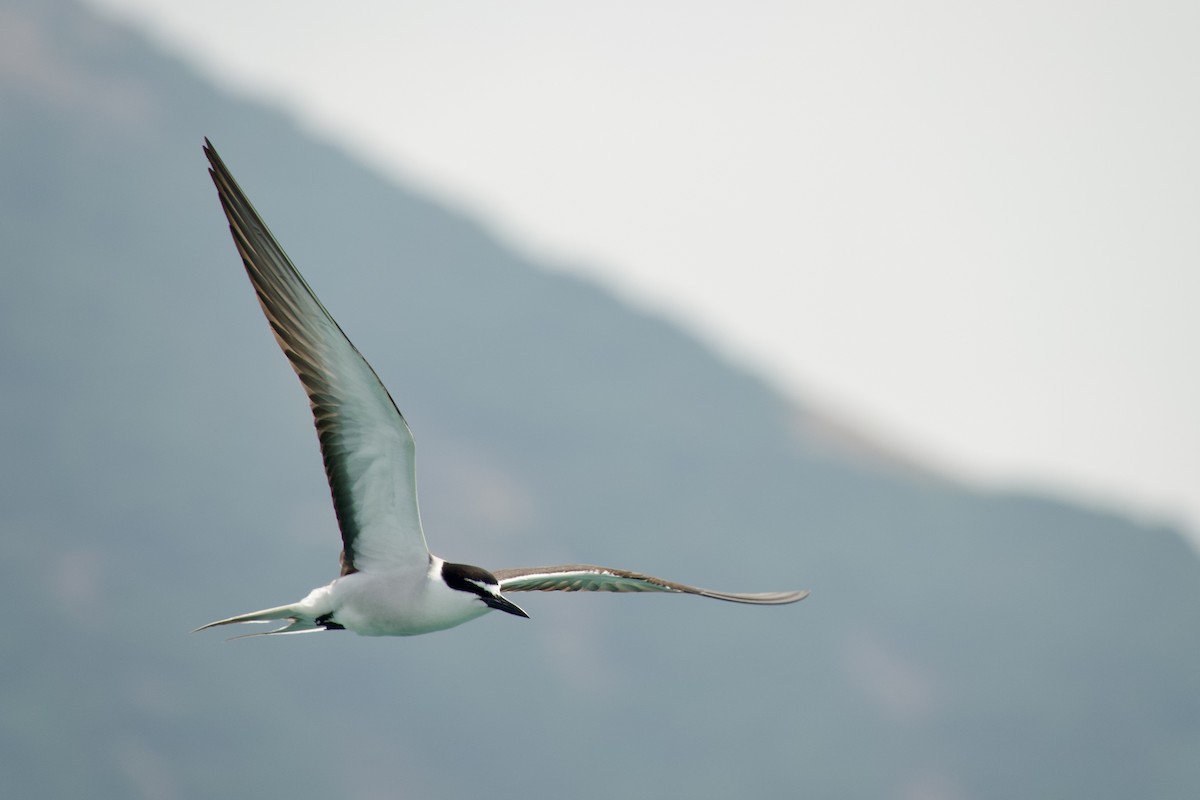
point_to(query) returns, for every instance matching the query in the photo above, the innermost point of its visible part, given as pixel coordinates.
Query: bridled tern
(390, 584)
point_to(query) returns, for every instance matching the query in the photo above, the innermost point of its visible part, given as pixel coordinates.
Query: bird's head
(481, 583)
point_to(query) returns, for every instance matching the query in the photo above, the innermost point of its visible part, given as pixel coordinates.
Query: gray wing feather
(590, 578)
(367, 446)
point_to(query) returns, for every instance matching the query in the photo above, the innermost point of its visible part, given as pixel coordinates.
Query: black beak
(500, 604)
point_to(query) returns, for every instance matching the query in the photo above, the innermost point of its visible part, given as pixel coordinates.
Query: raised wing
(588, 578)
(367, 446)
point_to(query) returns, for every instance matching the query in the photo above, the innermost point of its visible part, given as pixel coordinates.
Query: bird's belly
(398, 605)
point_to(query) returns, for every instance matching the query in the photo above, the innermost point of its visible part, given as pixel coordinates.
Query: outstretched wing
(588, 578)
(368, 449)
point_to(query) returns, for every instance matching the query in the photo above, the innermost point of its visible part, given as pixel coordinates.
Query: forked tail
(299, 621)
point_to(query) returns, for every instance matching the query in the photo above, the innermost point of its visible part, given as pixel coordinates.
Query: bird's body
(390, 584)
(394, 602)
(400, 603)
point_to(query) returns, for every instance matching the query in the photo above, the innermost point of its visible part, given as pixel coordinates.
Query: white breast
(401, 602)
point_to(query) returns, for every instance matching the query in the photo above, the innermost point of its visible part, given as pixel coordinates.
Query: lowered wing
(588, 578)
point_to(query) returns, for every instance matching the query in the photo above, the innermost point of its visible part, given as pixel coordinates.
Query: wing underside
(367, 447)
(590, 578)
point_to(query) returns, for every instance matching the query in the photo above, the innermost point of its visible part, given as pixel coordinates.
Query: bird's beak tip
(503, 604)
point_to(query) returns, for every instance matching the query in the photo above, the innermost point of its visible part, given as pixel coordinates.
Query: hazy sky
(969, 228)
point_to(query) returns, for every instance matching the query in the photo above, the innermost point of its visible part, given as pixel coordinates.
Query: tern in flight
(390, 584)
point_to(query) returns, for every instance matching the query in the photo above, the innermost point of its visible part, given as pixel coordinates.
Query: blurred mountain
(159, 470)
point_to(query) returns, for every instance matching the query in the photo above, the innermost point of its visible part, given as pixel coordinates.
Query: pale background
(968, 229)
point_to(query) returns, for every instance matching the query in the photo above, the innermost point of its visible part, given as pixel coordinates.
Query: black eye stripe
(466, 578)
